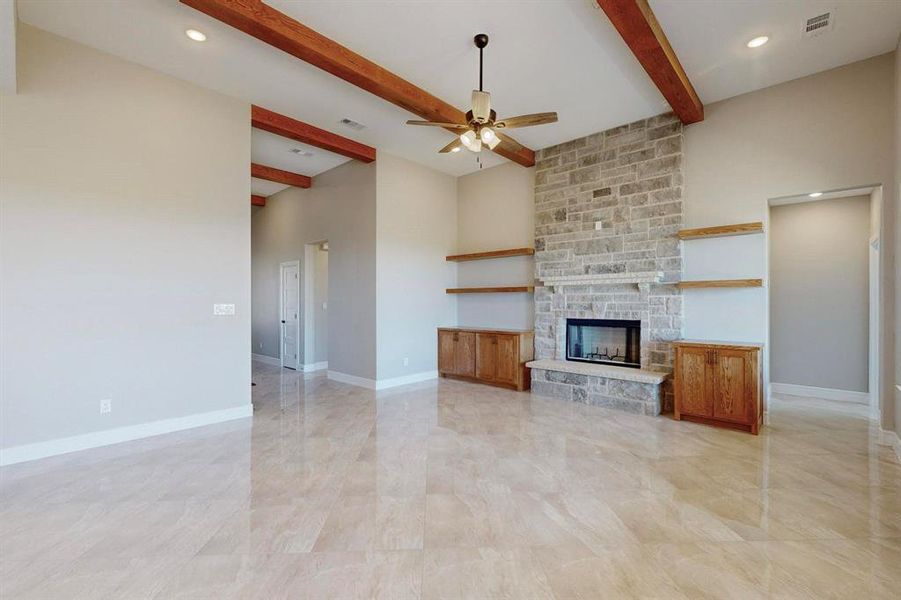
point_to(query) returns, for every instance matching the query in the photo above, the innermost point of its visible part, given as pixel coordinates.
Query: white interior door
(290, 313)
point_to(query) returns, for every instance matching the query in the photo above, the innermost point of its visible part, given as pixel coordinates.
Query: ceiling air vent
(352, 124)
(819, 24)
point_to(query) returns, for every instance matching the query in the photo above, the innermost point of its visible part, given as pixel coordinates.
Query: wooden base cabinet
(492, 356)
(719, 384)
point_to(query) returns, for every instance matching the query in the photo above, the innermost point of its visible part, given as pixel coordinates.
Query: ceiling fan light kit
(482, 124)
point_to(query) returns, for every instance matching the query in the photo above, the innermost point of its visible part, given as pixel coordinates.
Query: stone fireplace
(607, 210)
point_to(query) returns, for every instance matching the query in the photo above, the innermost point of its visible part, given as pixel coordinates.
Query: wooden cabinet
(719, 384)
(493, 356)
(456, 353)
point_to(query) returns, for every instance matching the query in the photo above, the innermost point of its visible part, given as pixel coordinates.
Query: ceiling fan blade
(527, 120)
(450, 147)
(481, 106)
(437, 124)
(509, 141)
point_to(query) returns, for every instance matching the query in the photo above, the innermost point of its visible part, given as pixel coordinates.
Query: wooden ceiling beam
(277, 29)
(256, 200)
(639, 28)
(279, 176)
(273, 122)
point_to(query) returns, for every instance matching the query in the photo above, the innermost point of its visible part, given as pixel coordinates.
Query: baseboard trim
(340, 377)
(381, 384)
(320, 366)
(275, 362)
(808, 391)
(28, 452)
(890, 438)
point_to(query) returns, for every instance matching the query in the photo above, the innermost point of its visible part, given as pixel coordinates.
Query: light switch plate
(598, 225)
(223, 310)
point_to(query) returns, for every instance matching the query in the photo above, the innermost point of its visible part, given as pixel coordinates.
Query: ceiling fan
(482, 126)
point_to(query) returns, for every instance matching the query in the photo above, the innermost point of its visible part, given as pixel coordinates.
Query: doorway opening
(824, 296)
(315, 313)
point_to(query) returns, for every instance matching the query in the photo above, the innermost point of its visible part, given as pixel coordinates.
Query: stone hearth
(610, 203)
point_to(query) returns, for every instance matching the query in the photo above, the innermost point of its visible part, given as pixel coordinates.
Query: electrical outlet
(106, 406)
(223, 310)
(260, 345)
(406, 362)
(598, 225)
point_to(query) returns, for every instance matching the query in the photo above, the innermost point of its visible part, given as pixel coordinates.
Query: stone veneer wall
(630, 180)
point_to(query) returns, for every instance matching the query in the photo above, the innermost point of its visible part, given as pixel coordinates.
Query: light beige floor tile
(373, 523)
(460, 573)
(450, 489)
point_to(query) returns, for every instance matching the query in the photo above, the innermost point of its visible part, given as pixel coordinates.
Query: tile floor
(454, 490)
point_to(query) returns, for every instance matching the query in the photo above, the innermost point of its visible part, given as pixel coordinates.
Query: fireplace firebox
(604, 341)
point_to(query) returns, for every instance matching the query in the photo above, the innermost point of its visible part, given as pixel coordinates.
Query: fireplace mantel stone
(608, 371)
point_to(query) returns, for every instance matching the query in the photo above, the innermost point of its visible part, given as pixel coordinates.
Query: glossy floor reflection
(454, 490)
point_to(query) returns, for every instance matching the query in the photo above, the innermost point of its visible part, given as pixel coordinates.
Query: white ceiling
(561, 55)
(710, 37)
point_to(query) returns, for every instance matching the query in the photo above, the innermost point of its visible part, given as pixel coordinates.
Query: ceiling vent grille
(352, 124)
(818, 25)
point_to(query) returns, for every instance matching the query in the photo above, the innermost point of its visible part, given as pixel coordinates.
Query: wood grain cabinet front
(719, 384)
(496, 357)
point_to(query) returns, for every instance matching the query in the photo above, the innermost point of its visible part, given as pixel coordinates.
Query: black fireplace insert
(604, 341)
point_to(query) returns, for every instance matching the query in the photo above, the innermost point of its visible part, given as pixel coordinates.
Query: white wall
(339, 207)
(819, 309)
(124, 217)
(827, 131)
(496, 210)
(417, 217)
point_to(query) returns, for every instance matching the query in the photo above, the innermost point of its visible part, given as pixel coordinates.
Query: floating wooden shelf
(721, 283)
(492, 290)
(491, 254)
(721, 231)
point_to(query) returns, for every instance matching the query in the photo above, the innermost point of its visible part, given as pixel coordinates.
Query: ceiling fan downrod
(481, 40)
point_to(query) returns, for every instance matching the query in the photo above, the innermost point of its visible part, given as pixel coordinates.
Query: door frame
(281, 311)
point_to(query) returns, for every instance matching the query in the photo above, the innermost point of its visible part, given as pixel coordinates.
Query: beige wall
(116, 242)
(893, 211)
(340, 208)
(320, 305)
(819, 314)
(416, 229)
(496, 210)
(390, 222)
(826, 131)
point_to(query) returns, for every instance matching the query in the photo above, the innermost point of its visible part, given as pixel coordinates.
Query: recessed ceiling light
(815, 194)
(758, 41)
(197, 36)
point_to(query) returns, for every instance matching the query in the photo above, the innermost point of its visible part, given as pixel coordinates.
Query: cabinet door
(732, 397)
(507, 358)
(486, 358)
(446, 347)
(465, 354)
(694, 386)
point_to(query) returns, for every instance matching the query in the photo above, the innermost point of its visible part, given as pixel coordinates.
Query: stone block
(630, 406)
(568, 378)
(659, 166)
(633, 390)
